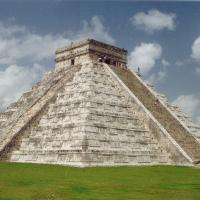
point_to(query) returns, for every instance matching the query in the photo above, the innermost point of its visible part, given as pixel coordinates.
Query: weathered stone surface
(87, 50)
(157, 106)
(85, 115)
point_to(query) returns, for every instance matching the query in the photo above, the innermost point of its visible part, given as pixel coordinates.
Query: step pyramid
(91, 110)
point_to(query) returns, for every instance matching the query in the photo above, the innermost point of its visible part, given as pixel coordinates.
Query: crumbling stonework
(84, 113)
(88, 50)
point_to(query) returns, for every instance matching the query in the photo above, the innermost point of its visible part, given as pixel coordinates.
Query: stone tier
(159, 109)
(91, 121)
(24, 116)
(193, 128)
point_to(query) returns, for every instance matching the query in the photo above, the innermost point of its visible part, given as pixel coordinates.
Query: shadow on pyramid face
(92, 112)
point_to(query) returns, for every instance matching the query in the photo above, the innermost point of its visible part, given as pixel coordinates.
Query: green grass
(46, 182)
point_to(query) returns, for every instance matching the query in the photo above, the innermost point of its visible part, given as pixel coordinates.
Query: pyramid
(92, 110)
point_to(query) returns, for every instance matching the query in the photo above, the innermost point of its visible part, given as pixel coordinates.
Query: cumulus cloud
(190, 104)
(161, 75)
(158, 77)
(18, 43)
(165, 63)
(15, 80)
(144, 56)
(196, 50)
(95, 29)
(20, 48)
(153, 20)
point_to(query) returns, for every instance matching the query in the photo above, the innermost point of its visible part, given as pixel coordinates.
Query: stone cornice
(89, 51)
(90, 41)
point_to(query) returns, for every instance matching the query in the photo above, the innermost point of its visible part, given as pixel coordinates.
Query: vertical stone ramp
(172, 125)
(12, 130)
(186, 120)
(91, 122)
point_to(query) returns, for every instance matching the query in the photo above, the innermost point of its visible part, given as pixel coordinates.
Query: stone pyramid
(91, 110)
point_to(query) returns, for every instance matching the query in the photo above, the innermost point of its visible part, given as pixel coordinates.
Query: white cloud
(144, 56)
(20, 48)
(158, 77)
(154, 20)
(196, 50)
(190, 104)
(197, 70)
(18, 43)
(95, 29)
(165, 63)
(15, 80)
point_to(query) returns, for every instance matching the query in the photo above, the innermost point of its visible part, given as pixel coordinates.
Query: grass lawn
(46, 182)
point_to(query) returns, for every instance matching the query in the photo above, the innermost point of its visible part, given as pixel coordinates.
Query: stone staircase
(156, 104)
(20, 114)
(92, 121)
(82, 116)
(28, 99)
(193, 128)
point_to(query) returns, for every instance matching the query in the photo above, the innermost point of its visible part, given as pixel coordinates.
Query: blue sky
(163, 39)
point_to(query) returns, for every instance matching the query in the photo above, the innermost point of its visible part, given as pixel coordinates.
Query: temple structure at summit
(93, 110)
(90, 50)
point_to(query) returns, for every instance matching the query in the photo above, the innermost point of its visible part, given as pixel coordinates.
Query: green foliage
(47, 182)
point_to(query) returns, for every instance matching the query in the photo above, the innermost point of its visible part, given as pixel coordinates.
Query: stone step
(26, 118)
(92, 130)
(160, 112)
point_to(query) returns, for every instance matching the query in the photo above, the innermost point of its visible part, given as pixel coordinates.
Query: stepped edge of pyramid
(91, 110)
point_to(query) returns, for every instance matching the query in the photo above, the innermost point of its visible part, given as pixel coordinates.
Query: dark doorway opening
(107, 61)
(72, 61)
